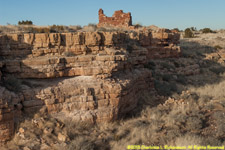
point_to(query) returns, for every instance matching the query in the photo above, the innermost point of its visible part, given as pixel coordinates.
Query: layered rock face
(7, 114)
(119, 19)
(7, 111)
(86, 76)
(83, 53)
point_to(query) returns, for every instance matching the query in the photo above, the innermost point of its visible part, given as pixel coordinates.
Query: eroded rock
(105, 69)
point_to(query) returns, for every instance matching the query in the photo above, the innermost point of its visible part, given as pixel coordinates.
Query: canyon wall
(84, 76)
(83, 53)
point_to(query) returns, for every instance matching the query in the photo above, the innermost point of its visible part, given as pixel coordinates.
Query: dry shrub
(56, 28)
(81, 143)
(135, 131)
(38, 29)
(138, 25)
(218, 47)
(190, 114)
(188, 140)
(188, 33)
(68, 54)
(207, 30)
(220, 126)
(90, 27)
(212, 141)
(74, 28)
(215, 91)
(8, 28)
(74, 128)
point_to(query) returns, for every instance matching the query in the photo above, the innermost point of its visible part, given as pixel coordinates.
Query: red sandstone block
(119, 19)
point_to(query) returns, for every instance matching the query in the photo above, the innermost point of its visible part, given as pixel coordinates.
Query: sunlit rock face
(87, 76)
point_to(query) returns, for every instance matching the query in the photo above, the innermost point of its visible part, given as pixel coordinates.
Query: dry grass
(59, 29)
(38, 29)
(188, 140)
(215, 91)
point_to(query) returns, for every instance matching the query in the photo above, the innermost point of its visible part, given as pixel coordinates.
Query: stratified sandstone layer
(87, 76)
(95, 53)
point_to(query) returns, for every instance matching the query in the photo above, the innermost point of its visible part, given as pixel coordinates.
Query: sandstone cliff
(106, 70)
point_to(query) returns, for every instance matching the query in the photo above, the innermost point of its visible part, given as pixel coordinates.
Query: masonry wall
(119, 19)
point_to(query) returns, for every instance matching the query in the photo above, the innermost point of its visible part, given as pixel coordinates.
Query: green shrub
(188, 33)
(176, 29)
(207, 30)
(218, 47)
(138, 25)
(27, 22)
(56, 28)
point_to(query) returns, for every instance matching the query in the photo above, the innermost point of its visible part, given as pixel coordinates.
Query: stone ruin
(119, 19)
(85, 76)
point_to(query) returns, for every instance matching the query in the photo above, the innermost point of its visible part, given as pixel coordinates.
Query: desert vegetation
(29, 27)
(188, 33)
(27, 22)
(207, 30)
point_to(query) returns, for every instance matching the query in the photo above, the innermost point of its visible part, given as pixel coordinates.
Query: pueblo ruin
(119, 19)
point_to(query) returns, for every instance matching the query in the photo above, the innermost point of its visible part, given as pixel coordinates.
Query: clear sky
(163, 13)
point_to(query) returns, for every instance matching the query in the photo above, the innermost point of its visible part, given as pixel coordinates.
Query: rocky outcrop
(83, 53)
(86, 76)
(9, 109)
(86, 98)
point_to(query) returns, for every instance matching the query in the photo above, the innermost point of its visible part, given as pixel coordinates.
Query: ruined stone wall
(106, 70)
(119, 19)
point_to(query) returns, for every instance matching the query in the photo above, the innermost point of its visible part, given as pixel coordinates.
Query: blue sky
(163, 13)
